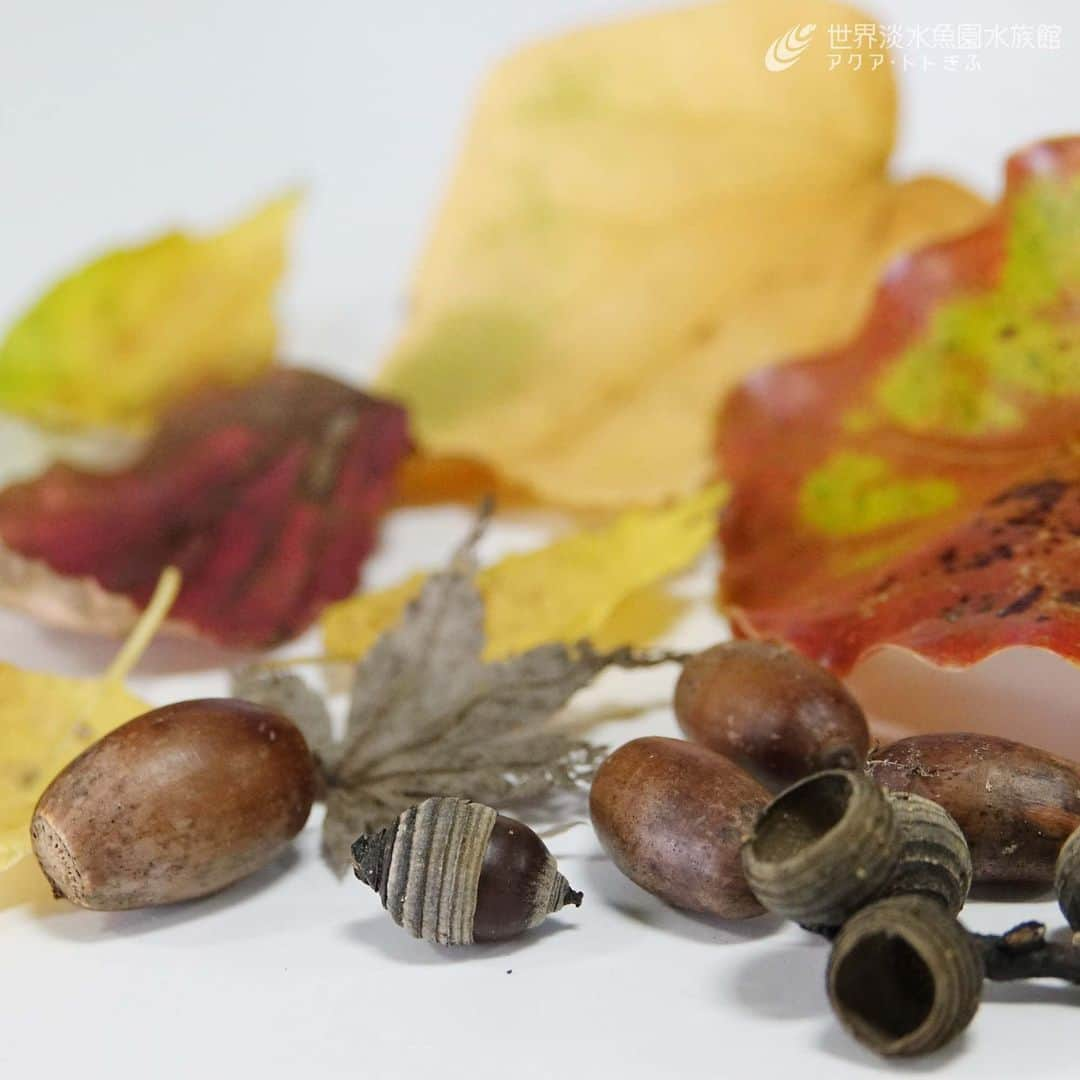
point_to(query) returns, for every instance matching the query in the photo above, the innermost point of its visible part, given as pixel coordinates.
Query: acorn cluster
(876, 852)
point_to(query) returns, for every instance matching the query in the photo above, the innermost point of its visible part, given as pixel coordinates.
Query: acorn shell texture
(673, 816)
(455, 872)
(934, 859)
(1016, 804)
(1067, 880)
(771, 710)
(175, 804)
(823, 848)
(904, 976)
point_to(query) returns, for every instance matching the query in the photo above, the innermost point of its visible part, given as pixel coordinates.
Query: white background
(117, 119)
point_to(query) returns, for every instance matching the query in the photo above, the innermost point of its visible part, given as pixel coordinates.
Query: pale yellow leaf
(641, 214)
(45, 720)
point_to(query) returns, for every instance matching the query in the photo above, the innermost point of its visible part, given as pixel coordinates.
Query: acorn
(1067, 880)
(673, 815)
(904, 977)
(823, 848)
(1016, 805)
(774, 712)
(455, 872)
(933, 858)
(175, 804)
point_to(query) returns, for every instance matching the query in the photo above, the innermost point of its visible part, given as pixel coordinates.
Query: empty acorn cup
(904, 976)
(455, 872)
(933, 857)
(1067, 880)
(823, 848)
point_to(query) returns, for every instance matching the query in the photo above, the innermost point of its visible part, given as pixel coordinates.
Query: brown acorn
(824, 848)
(904, 976)
(175, 804)
(771, 710)
(673, 815)
(1015, 804)
(455, 872)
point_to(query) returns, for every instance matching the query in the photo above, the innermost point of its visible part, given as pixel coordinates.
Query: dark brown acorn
(771, 710)
(455, 872)
(1015, 804)
(673, 815)
(904, 976)
(175, 804)
(823, 848)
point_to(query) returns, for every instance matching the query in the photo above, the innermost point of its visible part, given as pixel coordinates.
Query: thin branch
(1024, 953)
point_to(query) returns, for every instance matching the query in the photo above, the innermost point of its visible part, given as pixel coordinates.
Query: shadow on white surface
(786, 984)
(1031, 993)
(75, 925)
(379, 932)
(604, 884)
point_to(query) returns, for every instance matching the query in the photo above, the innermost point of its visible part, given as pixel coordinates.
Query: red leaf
(921, 485)
(266, 497)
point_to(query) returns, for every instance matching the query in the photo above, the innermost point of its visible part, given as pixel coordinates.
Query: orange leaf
(920, 486)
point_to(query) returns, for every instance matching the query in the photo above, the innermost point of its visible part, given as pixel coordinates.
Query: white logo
(789, 46)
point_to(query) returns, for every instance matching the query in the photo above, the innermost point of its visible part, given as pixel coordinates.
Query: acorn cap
(904, 976)
(934, 859)
(1067, 880)
(823, 848)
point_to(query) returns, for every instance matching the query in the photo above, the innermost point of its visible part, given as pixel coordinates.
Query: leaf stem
(165, 593)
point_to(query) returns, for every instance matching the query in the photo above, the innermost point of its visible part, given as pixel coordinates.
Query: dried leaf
(289, 695)
(921, 485)
(429, 716)
(267, 498)
(119, 340)
(45, 720)
(642, 214)
(572, 589)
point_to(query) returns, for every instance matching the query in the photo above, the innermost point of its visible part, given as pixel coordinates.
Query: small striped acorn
(772, 711)
(1016, 804)
(673, 816)
(173, 805)
(455, 872)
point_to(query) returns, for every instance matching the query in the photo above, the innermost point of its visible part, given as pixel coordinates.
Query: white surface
(116, 119)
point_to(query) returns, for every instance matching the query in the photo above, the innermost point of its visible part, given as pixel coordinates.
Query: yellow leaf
(597, 583)
(642, 213)
(45, 720)
(119, 339)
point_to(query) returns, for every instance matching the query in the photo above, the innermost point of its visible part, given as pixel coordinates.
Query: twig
(1024, 953)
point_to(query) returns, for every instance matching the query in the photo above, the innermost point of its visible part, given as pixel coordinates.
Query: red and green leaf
(920, 486)
(267, 498)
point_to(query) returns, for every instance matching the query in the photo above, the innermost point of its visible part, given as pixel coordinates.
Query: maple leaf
(266, 497)
(429, 716)
(920, 486)
(641, 214)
